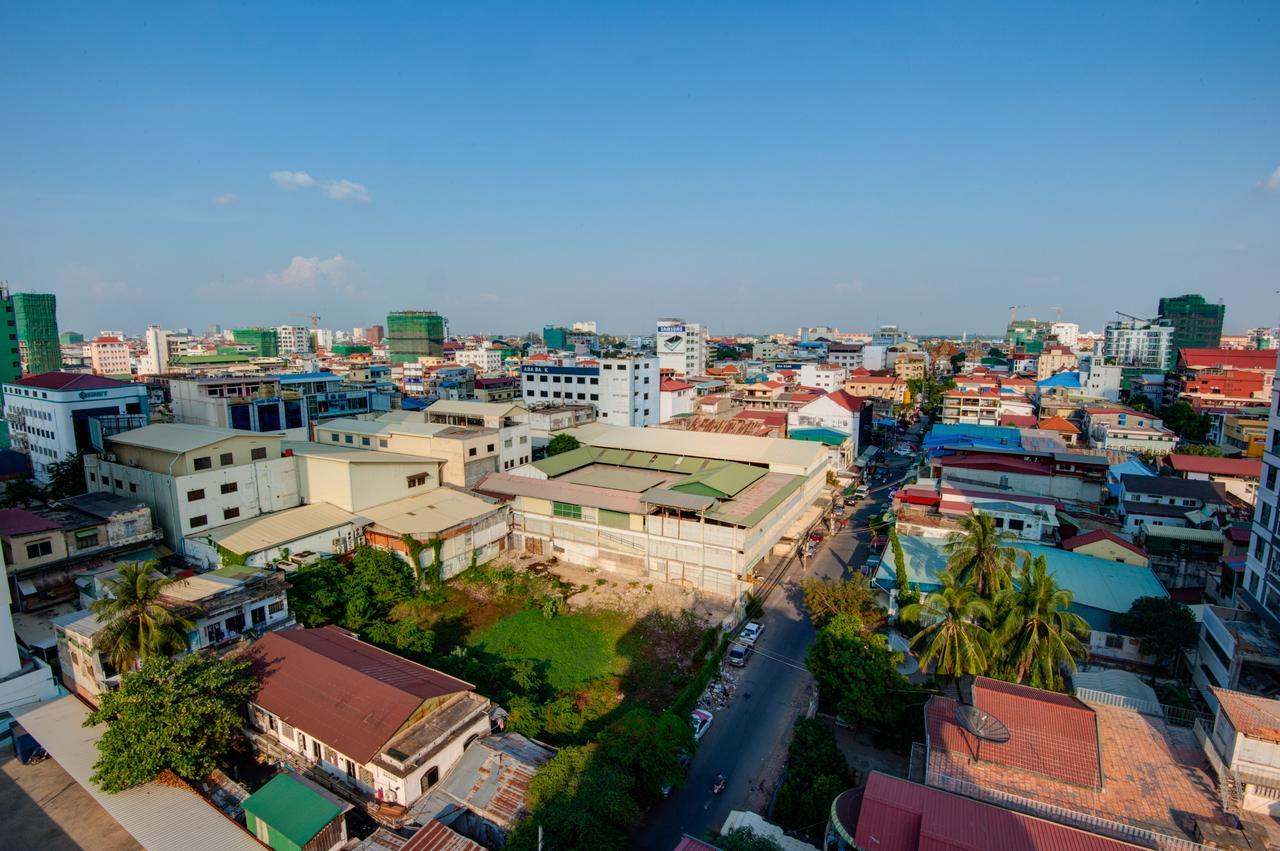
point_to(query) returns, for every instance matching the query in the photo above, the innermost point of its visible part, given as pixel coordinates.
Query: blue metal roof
(964, 434)
(1062, 379)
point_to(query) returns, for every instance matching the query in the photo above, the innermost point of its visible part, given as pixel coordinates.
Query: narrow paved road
(771, 691)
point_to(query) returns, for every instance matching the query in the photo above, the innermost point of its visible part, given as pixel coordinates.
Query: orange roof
(670, 385)
(1092, 537)
(847, 400)
(1254, 716)
(1264, 359)
(1058, 424)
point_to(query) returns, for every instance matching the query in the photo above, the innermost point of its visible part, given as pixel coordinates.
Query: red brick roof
(847, 400)
(1083, 540)
(1241, 467)
(1061, 424)
(670, 385)
(773, 418)
(1252, 715)
(1018, 420)
(69, 381)
(344, 692)
(898, 815)
(434, 836)
(1051, 734)
(1264, 359)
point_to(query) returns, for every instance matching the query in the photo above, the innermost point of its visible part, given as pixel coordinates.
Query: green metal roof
(720, 480)
(764, 508)
(197, 359)
(620, 479)
(828, 436)
(1180, 534)
(292, 808)
(558, 465)
(675, 499)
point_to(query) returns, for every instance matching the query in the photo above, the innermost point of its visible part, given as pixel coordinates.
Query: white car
(701, 720)
(751, 632)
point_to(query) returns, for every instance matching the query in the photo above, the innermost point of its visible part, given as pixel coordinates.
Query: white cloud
(1273, 182)
(226, 198)
(292, 180)
(334, 190)
(306, 273)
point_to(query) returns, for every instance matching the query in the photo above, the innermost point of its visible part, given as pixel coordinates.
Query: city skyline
(882, 164)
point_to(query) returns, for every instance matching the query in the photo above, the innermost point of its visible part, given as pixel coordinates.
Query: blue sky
(754, 166)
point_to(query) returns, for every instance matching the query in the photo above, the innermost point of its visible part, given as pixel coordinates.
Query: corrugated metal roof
(1179, 533)
(354, 455)
(505, 484)
(183, 437)
(279, 528)
(344, 692)
(675, 499)
(474, 409)
(293, 808)
(431, 513)
(788, 456)
(434, 836)
(1253, 715)
(491, 780)
(620, 479)
(159, 817)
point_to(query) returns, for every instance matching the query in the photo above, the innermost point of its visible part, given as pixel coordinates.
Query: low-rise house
(291, 813)
(1066, 475)
(1236, 651)
(388, 728)
(469, 453)
(510, 420)
(546, 421)
(1182, 557)
(455, 529)
(848, 416)
(1169, 501)
(261, 541)
(1243, 746)
(675, 398)
(933, 510)
(1127, 429)
(1101, 543)
(1068, 430)
(1238, 475)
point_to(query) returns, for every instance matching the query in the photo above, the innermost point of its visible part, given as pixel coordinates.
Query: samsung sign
(671, 329)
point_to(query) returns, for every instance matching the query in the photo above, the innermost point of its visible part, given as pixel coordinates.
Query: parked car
(750, 633)
(738, 654)
(861, 492)
(701, 720)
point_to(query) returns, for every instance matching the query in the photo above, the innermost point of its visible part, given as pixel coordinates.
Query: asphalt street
(772, 689)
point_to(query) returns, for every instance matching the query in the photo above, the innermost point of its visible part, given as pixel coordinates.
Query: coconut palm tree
(1039, 634)
(952, 637)
(980, 554)
(138, 624)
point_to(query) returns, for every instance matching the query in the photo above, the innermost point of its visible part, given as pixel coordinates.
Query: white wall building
(24, 679)
(827, 377)
(48, 414)
(1068, 333)
(1262, 567)
(587, 327)
(294, 339)
(629, 391)
(486, 360)
(1139, 342)
(682, 346)
(675, 398)
(156, 359)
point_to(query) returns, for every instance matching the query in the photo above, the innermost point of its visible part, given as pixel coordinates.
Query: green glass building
(414, 334)
(36, 318)
(10, 358)
(1197, 324)
(265, 341)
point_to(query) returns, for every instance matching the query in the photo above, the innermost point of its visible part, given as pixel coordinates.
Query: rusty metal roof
(491, 780)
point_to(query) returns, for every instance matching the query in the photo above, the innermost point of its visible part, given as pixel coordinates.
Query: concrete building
(294, 339)
(824, 376)
(847, 355)
(414, 334)
(511, 421)
(10, 351)
(196, 478)
(682, 346)
(704, 511)
(1126, 430)
(1261, 589)
(1066, 333)
(546, 421)
(675, 398)
(837, 411)
(159, 352)
(486, 360)
(109, 356)
(468, 453)
(264, 342)
(1170, 501)
(1197, 324)
(272, 403)
(1055, 359)
(51, 416)
(24, 678)
(625, 391)
(36, 318)
(1142, 343)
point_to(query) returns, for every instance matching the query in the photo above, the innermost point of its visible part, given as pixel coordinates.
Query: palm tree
(952, 637)
(1038, 633)
(138, 625)
(981, 555)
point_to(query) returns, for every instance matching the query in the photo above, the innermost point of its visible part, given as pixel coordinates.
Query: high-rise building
(555, 338)
(682, 346)
(10, 354)
(1142, 343)
(36, 317)
(414, 334)
(1197, 324)
(375, 334)
(156, 360)
(265, 341)
(71, 338)
(294, 339)
(1067, 333)
(1262, 565)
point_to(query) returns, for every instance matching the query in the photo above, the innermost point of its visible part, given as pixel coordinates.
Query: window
(39, 548)
(195, 495)
(275, 608)
(1115, 642)
(85, 540)
(431, 778)
(230, 487)
(119, 484)
(417, 481)
(198, 521)
(567, 509)
(258, 453)
(230, 513)
(471, 453)
(93, 477)
(334, 438)
(350, 439)
(382, 443)
(225, 459)
(1265, 516)
(490, 449)
(133, 487)
(204, 462)
(1271, 478)
(1016, 525)
(1259, 547)
(315, 750)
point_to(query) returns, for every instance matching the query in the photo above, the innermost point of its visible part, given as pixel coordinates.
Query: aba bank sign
(93, 394)
(671, 329)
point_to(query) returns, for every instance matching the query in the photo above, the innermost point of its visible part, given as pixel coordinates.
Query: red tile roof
(1252, 715)
(773, 418)
(1061, 424)
(344, 692)
(898, 815)
(1018, 420)
(69, 381)
(1083, 540)
(19, 521)
(1241, 467)
(995, 462)
(1264, 359)
(1051, 734)
(847, 400)
(670, 385)
(688, 843)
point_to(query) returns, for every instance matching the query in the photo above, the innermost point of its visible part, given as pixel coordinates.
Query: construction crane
(314, 317)
(1057, 312)
(1013, 312)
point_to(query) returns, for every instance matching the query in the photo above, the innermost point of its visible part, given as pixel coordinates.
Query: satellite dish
(983, 726)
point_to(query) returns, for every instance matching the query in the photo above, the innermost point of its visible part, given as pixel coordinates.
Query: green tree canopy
(816, 774)
(1038, 635)
(1163, 627)
(139, 626)
(745, 839)
(649, 746)
(980, 554)
(180, 715)
(581, 801)
(66, 477)
(858, 671)
(1206, 449)
(1184, 421)
(562, 443)
(828, 598)
(952, 637)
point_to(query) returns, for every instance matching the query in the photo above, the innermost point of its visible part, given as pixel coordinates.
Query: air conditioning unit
(109, 456)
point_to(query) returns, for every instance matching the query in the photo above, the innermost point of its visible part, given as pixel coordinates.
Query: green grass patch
(576, 648)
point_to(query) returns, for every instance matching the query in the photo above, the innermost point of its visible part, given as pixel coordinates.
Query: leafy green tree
(581, 801)
(1184, 421)
(181, 715)
(899, 562)
(66, 477)
(562, 443)
(745, 839)
(316, 592)
(980, 554)
(828, 598)
(957, 361)
(1039, 635)
(138, 626)
(379, 580)
(952, 637)
(1204, 449)
(816, 774)
(649, 746)
(21, 492)
(1163, 627)
(858, 671)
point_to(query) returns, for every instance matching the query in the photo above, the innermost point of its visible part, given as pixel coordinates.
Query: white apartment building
(675, 398)
(294, 339)
(196, 478)
(624, 390)
(1262, 567)
(1068, 333)
(109, 356)
(510, 420)
(587, 327)
(49, 414)
(827, 377)
(1147, 344)
(324, 338)
(682, 346)
(156, 359)
(485, 360)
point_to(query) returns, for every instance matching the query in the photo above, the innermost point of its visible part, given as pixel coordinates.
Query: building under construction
(265, 341)
(36, 320)
(414, 334)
